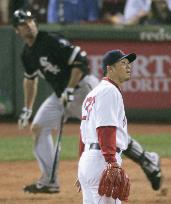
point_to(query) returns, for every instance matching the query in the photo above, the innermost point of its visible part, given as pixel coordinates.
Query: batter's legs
(44, 153)
(47, 118)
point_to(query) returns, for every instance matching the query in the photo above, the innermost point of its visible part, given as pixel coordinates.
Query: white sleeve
(107, 109)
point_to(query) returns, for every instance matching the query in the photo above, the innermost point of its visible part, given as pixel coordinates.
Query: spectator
(134, 12)
(169, 4)
(111, 7)
(142, 12)
(73, 11)
(4, 11)
(39, 9)
(160, 12)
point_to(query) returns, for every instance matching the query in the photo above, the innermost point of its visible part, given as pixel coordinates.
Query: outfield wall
(147, 95)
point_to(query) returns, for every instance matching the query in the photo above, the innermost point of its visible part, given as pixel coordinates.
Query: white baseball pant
(48, 117)
(90, 168)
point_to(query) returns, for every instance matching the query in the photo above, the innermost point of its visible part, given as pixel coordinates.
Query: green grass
(20, 148)
(158, 143)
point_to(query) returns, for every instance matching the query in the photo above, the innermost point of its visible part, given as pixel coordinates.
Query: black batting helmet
(20, 16)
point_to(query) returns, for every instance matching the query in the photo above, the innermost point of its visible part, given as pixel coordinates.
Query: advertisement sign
(150, 85)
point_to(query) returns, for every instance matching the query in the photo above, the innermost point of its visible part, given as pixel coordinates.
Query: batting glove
(67, 96)
(24, 117)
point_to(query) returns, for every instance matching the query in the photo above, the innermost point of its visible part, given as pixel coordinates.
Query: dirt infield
(11, 129)
(14, 175)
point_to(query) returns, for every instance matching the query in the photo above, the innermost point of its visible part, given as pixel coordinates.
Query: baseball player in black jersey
(65, 67)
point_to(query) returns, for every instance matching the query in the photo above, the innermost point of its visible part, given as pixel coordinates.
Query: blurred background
(140, 26)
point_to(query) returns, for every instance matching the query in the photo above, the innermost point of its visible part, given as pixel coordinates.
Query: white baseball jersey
(104, 106)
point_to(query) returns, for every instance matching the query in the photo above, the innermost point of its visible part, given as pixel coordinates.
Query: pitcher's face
(120, 71)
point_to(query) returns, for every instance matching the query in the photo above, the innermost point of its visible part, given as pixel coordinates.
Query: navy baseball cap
(114, 56)
(20, 16)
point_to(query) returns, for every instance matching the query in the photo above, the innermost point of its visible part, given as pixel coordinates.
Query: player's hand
(24, 117)
(67, 96)
(78, 185)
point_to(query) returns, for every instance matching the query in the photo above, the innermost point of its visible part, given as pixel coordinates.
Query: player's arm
(107, 142)
(68, 94)
(30, 83)
(76, 75)
(114, 181)
(30, 92)
(76, 60)
(78, 70)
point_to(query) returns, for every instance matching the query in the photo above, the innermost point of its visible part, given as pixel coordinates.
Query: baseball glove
(114, 183)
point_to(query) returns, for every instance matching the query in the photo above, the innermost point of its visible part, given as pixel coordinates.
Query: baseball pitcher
(104, 135)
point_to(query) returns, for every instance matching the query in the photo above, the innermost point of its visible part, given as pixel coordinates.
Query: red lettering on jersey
(88, 106)
(89, 102)
(83, 117)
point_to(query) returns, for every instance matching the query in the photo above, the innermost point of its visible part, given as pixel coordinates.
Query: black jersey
(53, 57)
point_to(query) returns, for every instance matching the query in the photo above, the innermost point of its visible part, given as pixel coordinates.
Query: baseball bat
(54, 166)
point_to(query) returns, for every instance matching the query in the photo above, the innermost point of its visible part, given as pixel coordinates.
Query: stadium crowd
(115, 12)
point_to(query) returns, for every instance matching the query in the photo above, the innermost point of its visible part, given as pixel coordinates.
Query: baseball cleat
(155, 179)
(38, 188)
